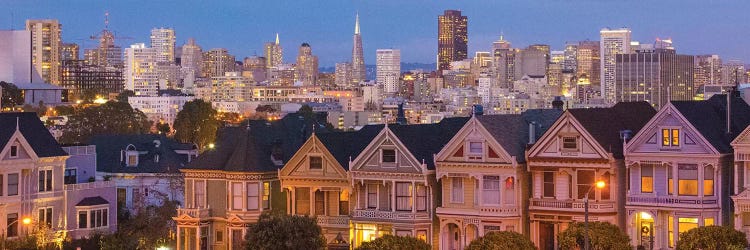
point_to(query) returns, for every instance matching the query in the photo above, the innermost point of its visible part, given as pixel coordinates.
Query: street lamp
(597, 185)
(25, 221)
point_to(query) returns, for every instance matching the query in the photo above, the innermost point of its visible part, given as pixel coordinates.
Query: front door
(546, 236)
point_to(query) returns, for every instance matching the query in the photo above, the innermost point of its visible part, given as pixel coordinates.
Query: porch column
(260, 196)
(393, 197)
(312, 200)
(413, 197)
(293, 209)
(478, 192)
(179, 237)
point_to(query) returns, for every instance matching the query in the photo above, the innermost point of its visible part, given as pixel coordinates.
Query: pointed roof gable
(605, 124)
(709, 118)
(249, 148)
(425, 140)
(348, 145)
(512, 131)
(33, 130)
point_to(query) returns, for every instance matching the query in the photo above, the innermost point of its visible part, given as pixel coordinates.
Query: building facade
(358, 56)
(613, 42)
(452, 38)
(140, 73)
(388, 69)
(46, 45)
(656, 76)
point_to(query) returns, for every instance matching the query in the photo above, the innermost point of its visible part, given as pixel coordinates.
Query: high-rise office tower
(358, 57)
(452, 38)
(532, 61)
(588, 62)
(707, 70)
(504, 62)
(140, 74)
(613, 42)
(69, 51)
(343, 75)
(192, 57)
(307, 66)
(45, 48)
(274, 53)
(653, 75)
(388, 69)
(216, 62)
(569, 57)
(162, 40)
(733, 72)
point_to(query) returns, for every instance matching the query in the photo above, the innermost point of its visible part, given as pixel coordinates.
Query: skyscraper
(45, 48)
(707, 70)
(192, 57)
(162, 40)
(612, 42)
(216, 62)
(388, 69)
(69, 51)
(358, 57)
(140, 73)
(452, 38)
(588, 62)
(532, 61)
(653, 75)
(343, 75)
(274, 53)
(504, 62)
(570, 54)
(307, 66)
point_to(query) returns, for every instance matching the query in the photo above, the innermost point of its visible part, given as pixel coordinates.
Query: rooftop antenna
(106, 20)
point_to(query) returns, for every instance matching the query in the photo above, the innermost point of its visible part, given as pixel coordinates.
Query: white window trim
(18, 147)
(88, 210)
(471, 156)
(453, 197)
(562, 143)
(39, 220)
(196, 202)
(45, 169)
(232, 195)
(670, 146)
(259, 199)
(309, 161)
(395, 158)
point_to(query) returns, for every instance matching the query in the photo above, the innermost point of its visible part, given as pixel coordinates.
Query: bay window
(647, 178)
(421, 198)
(372, 196)
(708, 181)
(252, 196)
(403, 196)
(548, 184)
(584, 182)
(491, 190)
(237, 195)
(510, 189)
(457, 190)
(687, 183)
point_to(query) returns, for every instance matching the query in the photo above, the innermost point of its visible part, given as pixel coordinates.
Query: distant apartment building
(140, 72)
(388, 69)
(46, 45)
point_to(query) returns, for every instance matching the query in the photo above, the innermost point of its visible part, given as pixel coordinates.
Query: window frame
(235, 194)
(563, 143)
(651, 180)
(45, 215)
(486, 181)
(401, 198)
(13, 151)
(252, 197)
(369, 191)
(457, 189)
(668, 140)
(66, 177)
(318, 158)
(16, 185)
(383, 156)
(545, 183)
(46, 178)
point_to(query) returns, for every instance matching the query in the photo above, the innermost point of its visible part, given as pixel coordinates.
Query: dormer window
(475, 147)
(670, 137)
(389, 156)
(14, 151)
(570, 143)
(316, 162)
(131, 156)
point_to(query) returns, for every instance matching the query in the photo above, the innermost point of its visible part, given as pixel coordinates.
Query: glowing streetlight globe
(600, 184)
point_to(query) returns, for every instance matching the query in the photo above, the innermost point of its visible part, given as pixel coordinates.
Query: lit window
(343, 203)
(647, 178)
(389, 155)
(604, 192)
(316, 162)
(670, 180)
(687, 175)
(302, 201)
(320, 203)
(708, 181)
(570, 143)
(670, 137)
(266, 195)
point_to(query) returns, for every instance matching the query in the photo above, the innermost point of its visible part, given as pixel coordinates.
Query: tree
(712, 238)
(123, 96)
(109, 118)
(163, 128)
(11, 95)
(390, 242)
(196, 123)
(281, 231)
(602, 236)
(500, 241)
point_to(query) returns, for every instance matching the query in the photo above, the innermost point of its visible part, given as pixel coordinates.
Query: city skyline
(696, 27)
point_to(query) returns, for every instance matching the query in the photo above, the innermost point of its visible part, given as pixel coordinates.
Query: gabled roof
(709, 118)
(346, 145)
(249, 148)
(33, 130)
(605, 124)
(512, 131)
(109, 150)
(425, 140)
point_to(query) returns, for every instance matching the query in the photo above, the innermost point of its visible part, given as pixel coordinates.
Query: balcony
(673, 201)
(389, 215)
(572, 205)
(482, 211)
(194, 212)
(89, 185)
(332, 221)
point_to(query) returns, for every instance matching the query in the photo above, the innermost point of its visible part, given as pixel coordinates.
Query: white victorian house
(582, 147)
(482, 175)
(741, 146)
(679, 170)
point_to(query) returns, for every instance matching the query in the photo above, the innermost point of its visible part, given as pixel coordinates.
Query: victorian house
(393, 181)
(680, 170)
(316, 180)
(38, 191)
(229, 186)
(741, 146)
(483, 178)
(582, 147)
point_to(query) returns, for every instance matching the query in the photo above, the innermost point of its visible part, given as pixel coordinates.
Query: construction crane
(107, 34)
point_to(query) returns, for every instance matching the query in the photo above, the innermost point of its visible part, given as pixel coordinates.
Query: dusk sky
(242, 26)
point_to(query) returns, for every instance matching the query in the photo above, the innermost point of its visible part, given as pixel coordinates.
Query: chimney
(625, 135)
(532, 132)
(729, 111)
(401, 118)
(477, 109)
